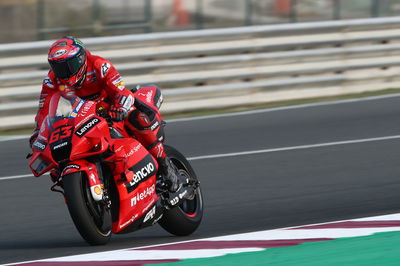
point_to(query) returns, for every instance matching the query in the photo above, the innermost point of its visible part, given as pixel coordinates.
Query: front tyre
(184, 219)
(91, 218)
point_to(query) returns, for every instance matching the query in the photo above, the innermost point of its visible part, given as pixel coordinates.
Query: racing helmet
(67, 59)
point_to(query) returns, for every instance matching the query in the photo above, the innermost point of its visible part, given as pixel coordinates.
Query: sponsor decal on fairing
(69, 167)
(86, 127)
(141, 172)
(97, 192)
(143, 195)
(133, 218)
(39, 145)
(150, 214)
(132, 151)
(93, 178)
(86, 108)
(60, 145)
(89, 116)
(151, 203)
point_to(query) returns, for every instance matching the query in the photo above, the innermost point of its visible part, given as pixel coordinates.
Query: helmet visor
(65, 69)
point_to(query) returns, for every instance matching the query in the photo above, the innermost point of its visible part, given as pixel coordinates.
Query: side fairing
(135, 178)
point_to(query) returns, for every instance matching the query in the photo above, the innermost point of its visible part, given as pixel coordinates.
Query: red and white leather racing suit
(104, 84)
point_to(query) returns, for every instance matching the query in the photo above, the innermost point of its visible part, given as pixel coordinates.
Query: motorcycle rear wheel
(184, 219)
(91, 218)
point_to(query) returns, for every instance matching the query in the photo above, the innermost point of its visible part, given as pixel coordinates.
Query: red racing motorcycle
(109, 180)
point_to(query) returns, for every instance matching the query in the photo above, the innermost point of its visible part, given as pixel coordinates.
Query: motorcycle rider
(94, 78)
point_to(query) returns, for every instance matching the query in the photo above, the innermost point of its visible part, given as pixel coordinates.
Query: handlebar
(104, 114)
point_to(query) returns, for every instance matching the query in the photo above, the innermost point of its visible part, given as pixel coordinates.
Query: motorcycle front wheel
(184, 219)
(91, 218)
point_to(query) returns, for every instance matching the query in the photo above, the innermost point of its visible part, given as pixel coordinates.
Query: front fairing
(71, 131)
(69, 138)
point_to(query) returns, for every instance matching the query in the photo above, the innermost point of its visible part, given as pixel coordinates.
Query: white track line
(283, 108)
(233, 154)
(301, 147)
(9, 138)
(15, 177)
(18, 176)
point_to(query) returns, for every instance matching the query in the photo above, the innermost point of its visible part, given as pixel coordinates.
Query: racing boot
(170, 173)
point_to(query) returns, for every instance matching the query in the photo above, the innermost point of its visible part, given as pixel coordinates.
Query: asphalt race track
(337, 165)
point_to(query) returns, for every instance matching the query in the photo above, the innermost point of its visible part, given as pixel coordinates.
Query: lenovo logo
(86, 127)
(143, 173)
(143, 170)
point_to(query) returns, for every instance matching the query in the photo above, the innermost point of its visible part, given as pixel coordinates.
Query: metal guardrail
(224, 67)
(338, 25)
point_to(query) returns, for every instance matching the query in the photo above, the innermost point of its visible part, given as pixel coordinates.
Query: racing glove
(118, 113)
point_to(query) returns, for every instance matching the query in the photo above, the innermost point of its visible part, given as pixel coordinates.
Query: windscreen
(63, 107)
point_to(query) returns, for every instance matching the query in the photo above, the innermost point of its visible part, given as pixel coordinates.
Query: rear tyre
(184, 219)
(91, 218)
